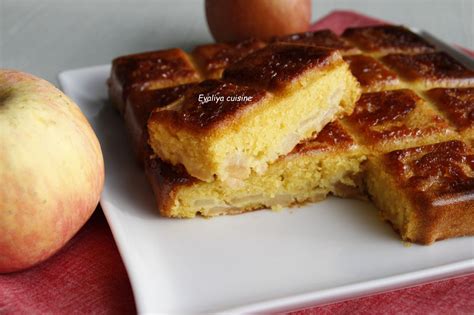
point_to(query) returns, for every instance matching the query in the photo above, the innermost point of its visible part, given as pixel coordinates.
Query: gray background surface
(44, 37)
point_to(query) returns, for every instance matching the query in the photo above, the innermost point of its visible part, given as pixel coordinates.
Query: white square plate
(260, 261)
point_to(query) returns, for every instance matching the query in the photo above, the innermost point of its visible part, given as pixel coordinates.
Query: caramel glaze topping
(431, 66)
(274, 66)
(458, 104)
(209, 103)
(387, 37)
(382, 116)
(325, 38)
(377, 108)
(332, 137)
(370, 72)
(144, 102)
(435, 171)
(218, 56)
(138, 71)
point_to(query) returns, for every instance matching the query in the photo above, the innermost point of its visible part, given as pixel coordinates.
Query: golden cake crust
(387, 39)
(333, 137)
(372, 74)
(322, 38)
(439, 181)
(457, 104)
(431, 69)
(214, 58)
(195, 114)
(275, 66)
(163, 68)
(149, 70)
(393, 119)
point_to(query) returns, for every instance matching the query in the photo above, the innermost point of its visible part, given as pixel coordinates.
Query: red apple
(51, 170)
(234, 20)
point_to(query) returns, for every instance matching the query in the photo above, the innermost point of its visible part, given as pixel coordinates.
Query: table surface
(48, 36)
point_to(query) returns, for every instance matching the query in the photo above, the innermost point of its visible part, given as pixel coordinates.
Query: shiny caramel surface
(371, 73)
(275, 66)
(430, 66)
(390, 115)
(324, 38)
(457, 104)
(332, 137)
(209, 103)
(212, 57)
(387, 38)
(165, 68)
(438, 174)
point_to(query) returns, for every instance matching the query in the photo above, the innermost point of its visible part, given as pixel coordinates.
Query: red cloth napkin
(87, 275)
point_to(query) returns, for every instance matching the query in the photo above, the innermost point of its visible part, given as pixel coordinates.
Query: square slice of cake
(372, 75)
(328, 163)
(387, 39)
(426, 193)
(148, 71)
(214, 58)
(140, 104)
(265, 104)
(458, 106)
(431, 70)
(389, 120)
(323, 38)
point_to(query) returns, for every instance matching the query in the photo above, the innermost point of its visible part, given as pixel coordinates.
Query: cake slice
(265, 104)
(387, 39)
(426, 193)
(431, 70)
(328, 163)
(390, 120)
(148, 71)
(458, 106)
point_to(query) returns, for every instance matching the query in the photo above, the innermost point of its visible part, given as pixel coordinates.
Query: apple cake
(407, 146)
(329, 163)
(264, 105)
